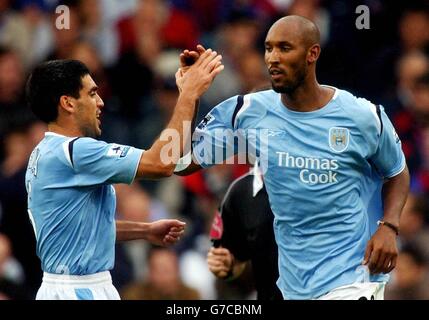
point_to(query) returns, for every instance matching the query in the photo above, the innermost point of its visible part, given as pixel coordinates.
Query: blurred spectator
(12, 108)
(252, 72)
(163, 281)
(410, 278)
(98, 31)
(409, 67)
(203, 192)
(193, 268)
(421, 97)
(11, 77)
(235, 39)
(139, 46)
(10, 288)
(134, 204)
(15, 223)
(27, 31)
(413, 223)
(154, 22)
(208, 14)
(420, 131)
(239, 35)
(13, 31)
(414, 29)
(412, 125)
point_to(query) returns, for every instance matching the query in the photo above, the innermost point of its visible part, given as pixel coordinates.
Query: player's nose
(100, 102)
(273, 57)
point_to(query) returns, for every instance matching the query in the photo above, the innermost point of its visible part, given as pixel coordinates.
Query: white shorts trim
(357, 291)
(96, 286)
(72, 280)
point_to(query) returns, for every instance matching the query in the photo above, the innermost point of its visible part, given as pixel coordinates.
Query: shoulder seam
(245, 105)
(71, 150)
(68, 150)
(378, 109)
(237, 108)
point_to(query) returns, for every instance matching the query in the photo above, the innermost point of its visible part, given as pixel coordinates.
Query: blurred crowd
(132, 48)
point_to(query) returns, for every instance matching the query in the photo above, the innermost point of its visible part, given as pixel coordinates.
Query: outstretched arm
(162, 232)
(381, 251)
(160, 160)
(187, 59)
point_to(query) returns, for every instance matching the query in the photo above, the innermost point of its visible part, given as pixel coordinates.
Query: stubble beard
(291, 87)
(90, 131)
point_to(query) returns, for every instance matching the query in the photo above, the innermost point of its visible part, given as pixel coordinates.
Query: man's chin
(285, 87)
(280, 88)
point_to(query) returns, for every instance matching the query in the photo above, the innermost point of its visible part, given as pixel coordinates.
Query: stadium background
(132, 47)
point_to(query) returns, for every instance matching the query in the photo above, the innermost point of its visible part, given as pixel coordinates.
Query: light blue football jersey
(323, 171)
(72, 203)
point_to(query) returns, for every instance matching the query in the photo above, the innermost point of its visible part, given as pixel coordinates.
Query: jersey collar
(53, 134)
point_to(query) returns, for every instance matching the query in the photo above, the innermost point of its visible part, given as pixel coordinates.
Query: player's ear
(313, 53)
(67, 103)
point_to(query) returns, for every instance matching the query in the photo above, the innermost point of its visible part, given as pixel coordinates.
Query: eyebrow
(279, 43)
(93, 89)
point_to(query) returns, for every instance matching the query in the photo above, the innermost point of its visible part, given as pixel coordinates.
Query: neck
(310, 96)
(64, 131)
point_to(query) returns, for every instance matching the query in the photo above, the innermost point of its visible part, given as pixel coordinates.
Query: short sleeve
(215, 138)
(96, 162)
(388, 158)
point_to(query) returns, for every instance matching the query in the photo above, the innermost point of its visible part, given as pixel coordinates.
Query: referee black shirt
(248, 233)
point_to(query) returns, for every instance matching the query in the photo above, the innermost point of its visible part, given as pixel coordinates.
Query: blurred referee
(247, 236)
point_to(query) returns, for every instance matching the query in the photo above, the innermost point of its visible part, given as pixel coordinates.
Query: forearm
(131, 230)
(160, 160)
(187, 165)
(395, 193)
(180, 123)
(187, 146)
(194, 119)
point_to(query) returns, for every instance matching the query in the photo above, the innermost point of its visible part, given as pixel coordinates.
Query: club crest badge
(339, 138)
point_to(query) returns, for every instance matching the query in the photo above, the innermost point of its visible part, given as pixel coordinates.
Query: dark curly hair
(51, 80)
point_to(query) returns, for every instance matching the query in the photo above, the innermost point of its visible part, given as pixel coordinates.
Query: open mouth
(276, 73)
(276, 76)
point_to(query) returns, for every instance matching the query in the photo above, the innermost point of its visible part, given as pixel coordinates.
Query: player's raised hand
(165, 232)
(197, 79)
(220, 261)
(188, 57)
